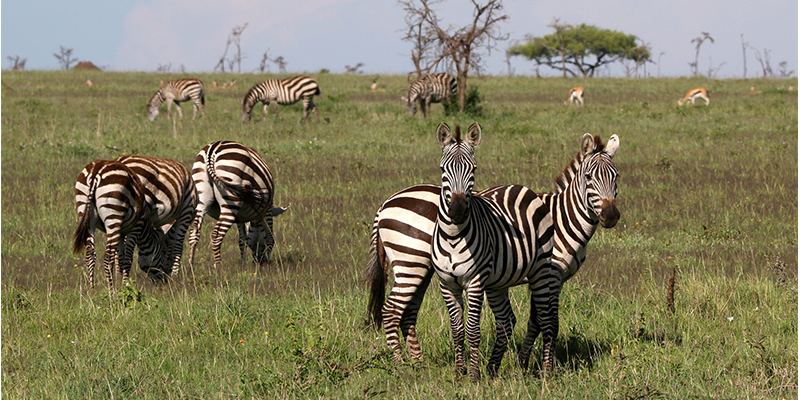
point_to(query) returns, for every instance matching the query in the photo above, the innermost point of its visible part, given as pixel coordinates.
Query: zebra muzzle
(609, 215)
(459, 208)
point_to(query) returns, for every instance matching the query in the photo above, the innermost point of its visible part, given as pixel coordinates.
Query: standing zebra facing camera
(429, 89)
(403, 227)
(176, 91)
(284, 92)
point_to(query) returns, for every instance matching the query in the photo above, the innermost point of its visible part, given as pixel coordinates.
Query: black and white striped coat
(110, 197)
(234, 185)
(401, 236)
(284, 92)
(170, 198)
(429, 89)
(176, 91)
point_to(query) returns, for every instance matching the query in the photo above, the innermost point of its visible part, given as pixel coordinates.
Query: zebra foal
(284, 92)
(176, 91)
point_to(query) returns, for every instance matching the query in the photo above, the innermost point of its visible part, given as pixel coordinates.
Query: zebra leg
(220, 229)
(401, 308)
(523, 357)
(504, 322)
(126, 254)
(474, 306)
(110, 256)
(408, 324)
(178, 107)
(194, 233)
(176, 235)
(169, 108)
(275, 102)
(266, 109)
(243, 242)
(197, 106)
(549, 324)
(455, 306)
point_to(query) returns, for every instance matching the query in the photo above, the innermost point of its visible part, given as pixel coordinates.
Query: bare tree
(17, 63)
(699, 42)
(263, 65)
(766, 68)
(659, 62)
(354, 70)
(164, 67)
(65, 58)
(744, 55)
(281, 63)
(236, 60)
(460, 48)
(782, 70)
(712, 72)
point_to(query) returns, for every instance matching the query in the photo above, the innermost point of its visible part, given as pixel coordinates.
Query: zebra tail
(376, 279)
(82, 231)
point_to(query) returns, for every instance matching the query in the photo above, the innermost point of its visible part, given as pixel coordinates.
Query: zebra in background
(403, 227)
(176, 91)
(109, 196)
(171, 199)
(284, 92)
(429, 89)
(234, 185)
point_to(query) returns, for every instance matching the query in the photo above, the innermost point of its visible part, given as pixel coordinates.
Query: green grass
(708, 191)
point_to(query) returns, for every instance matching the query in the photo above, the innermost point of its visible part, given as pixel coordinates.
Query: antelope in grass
(693, 94)
(575, 96)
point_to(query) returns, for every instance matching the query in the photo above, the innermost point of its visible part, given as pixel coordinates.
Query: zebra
(234, 185)
(429, 89)
(485, 244)
(109, 196)
(400, 239)
(171, 198)
(176, 91)
(284, 92)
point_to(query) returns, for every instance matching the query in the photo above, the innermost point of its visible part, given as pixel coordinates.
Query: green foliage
(584, 47)
(472, 103)
(294, 328)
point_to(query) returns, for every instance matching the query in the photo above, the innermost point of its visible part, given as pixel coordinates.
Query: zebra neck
(572, 201)
(157, 98)
(445, 226)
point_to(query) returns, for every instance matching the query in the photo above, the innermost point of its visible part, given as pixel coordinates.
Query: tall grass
(708, 191)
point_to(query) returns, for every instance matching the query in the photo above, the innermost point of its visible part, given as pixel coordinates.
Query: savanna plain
(709, 192)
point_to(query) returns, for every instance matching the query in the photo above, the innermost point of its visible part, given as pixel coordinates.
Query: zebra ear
(612, 145)
(443, 135)
(474, 135)
(278, 211)
(587, 144)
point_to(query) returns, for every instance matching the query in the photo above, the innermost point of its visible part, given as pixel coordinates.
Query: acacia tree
(581, 50)
(65, 58)
(460, 48)
(235, 37)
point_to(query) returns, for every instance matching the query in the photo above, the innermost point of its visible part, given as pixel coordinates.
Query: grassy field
(710, 192)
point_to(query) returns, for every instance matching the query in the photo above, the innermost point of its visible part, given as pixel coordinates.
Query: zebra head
(598, 177)
(411, 103)
(259, 240)
(458, 169)
(153, 104)
(152, 258)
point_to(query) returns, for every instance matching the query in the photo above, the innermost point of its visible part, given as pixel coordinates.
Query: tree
(460, 48)
(699, 40)
(17, 63)
(235, 37)
(65, 58)
(584, 48)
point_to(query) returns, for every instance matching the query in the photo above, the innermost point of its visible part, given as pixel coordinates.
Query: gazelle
(693, 94)
(575, 95)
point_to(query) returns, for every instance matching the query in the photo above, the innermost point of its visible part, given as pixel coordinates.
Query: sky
(190, 35)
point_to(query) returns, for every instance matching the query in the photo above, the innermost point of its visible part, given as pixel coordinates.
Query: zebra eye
(588, 177)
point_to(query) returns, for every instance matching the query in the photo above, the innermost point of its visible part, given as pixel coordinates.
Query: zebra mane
(563, 179)
(457, 134)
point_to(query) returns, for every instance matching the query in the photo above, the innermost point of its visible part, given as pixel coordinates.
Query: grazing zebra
(401, 236)
(694, 94)
(171, 199)
(176, 91)
(109, 196)
(575, 96)
(234, 185)
(429, 89)
(284, 92)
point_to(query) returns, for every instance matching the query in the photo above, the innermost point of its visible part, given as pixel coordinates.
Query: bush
(472, 104)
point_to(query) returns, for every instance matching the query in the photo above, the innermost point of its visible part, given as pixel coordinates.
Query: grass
(708, 191)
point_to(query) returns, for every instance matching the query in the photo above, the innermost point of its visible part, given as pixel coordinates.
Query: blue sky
(316, 34)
